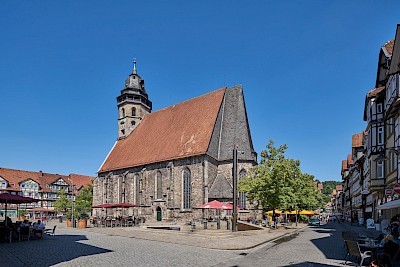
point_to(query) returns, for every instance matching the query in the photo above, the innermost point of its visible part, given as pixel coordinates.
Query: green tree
(278, 183)
(272, 181)
(83, 203)
(62, 204)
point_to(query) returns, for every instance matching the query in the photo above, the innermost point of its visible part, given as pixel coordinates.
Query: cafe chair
(51, 232)
(387, 258)
(353, 249)
(24, 233)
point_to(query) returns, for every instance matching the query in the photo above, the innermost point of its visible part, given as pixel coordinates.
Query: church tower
(133, 104)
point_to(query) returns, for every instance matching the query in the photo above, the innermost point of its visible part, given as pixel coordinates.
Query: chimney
(41, 173)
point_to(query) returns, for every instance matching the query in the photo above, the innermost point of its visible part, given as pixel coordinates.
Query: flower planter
(82, 224)
(69, 223)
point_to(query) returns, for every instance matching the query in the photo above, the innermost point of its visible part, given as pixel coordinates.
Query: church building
(172, 160)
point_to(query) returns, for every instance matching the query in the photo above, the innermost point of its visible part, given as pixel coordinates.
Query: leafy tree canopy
(278, 183)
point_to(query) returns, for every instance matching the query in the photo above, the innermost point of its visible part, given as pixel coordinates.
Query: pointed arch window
(242, 195)
(159, 185)
(187, 189)
(133, 111)
(137, 190)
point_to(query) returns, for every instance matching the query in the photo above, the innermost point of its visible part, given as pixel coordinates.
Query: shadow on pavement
(311, 264)
(332, 246)
(50, 251)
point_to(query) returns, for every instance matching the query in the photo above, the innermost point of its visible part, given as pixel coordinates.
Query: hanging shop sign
(388, 191)
(396, 188)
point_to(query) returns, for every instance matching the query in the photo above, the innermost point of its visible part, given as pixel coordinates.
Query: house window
(379, 108)
(159, 185)
(380, 135)
(122, 112)
(379, 169)
(133, 112)
(187, 189)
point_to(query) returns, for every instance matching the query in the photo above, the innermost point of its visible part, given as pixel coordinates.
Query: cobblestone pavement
(132, 245)
(322, 246)
(316, 246)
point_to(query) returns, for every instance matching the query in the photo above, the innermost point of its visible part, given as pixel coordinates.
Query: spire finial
(134, 65)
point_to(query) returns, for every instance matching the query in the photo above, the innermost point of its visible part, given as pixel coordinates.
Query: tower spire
(134, 66)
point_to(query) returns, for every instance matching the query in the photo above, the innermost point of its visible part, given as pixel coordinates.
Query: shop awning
(389, 205)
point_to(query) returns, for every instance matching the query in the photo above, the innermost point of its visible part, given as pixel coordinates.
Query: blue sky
(305, 67)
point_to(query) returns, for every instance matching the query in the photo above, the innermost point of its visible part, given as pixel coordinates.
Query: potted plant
(22, 214)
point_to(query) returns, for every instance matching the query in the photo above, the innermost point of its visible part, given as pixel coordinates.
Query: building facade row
(41, 186)
(370, 173)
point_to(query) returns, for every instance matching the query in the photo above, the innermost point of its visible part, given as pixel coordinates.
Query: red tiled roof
(344, 165)
(375, 91)
(178, 131)
(357, 140)
(81, 180)
(17, 176)
(339, 188)
(389, 46)
(350, 160)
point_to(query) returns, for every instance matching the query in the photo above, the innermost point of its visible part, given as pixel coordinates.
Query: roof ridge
(184, 101)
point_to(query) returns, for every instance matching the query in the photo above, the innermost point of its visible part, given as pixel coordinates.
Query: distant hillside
(328, 188)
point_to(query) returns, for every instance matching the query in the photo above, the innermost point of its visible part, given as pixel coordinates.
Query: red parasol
(105, 205)
(14, 199)
(215, 204)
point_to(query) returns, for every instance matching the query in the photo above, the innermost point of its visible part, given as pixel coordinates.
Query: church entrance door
(159, 214)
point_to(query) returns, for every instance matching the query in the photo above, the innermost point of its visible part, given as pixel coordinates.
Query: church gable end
(232, 128)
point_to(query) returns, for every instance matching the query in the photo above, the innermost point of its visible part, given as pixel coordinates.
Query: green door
(159, 214)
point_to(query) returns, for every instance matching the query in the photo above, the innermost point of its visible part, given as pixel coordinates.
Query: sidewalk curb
(213, 248)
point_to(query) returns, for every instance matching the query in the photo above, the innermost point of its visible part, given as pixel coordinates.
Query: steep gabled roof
(344, 165)
(395, 62)
(80, 180)
(349, 160)
(178, 131)
(221, 188)
(16, 177)
(371, 94)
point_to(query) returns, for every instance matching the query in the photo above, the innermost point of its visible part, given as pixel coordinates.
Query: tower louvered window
(187, 189)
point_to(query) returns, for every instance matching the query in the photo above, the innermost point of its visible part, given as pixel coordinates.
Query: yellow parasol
(270, 212)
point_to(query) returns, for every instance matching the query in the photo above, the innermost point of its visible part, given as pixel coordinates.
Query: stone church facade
(170, 161)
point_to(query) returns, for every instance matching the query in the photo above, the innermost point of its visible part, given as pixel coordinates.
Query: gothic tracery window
(242, 195)
(187, 189)
(159, 185)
